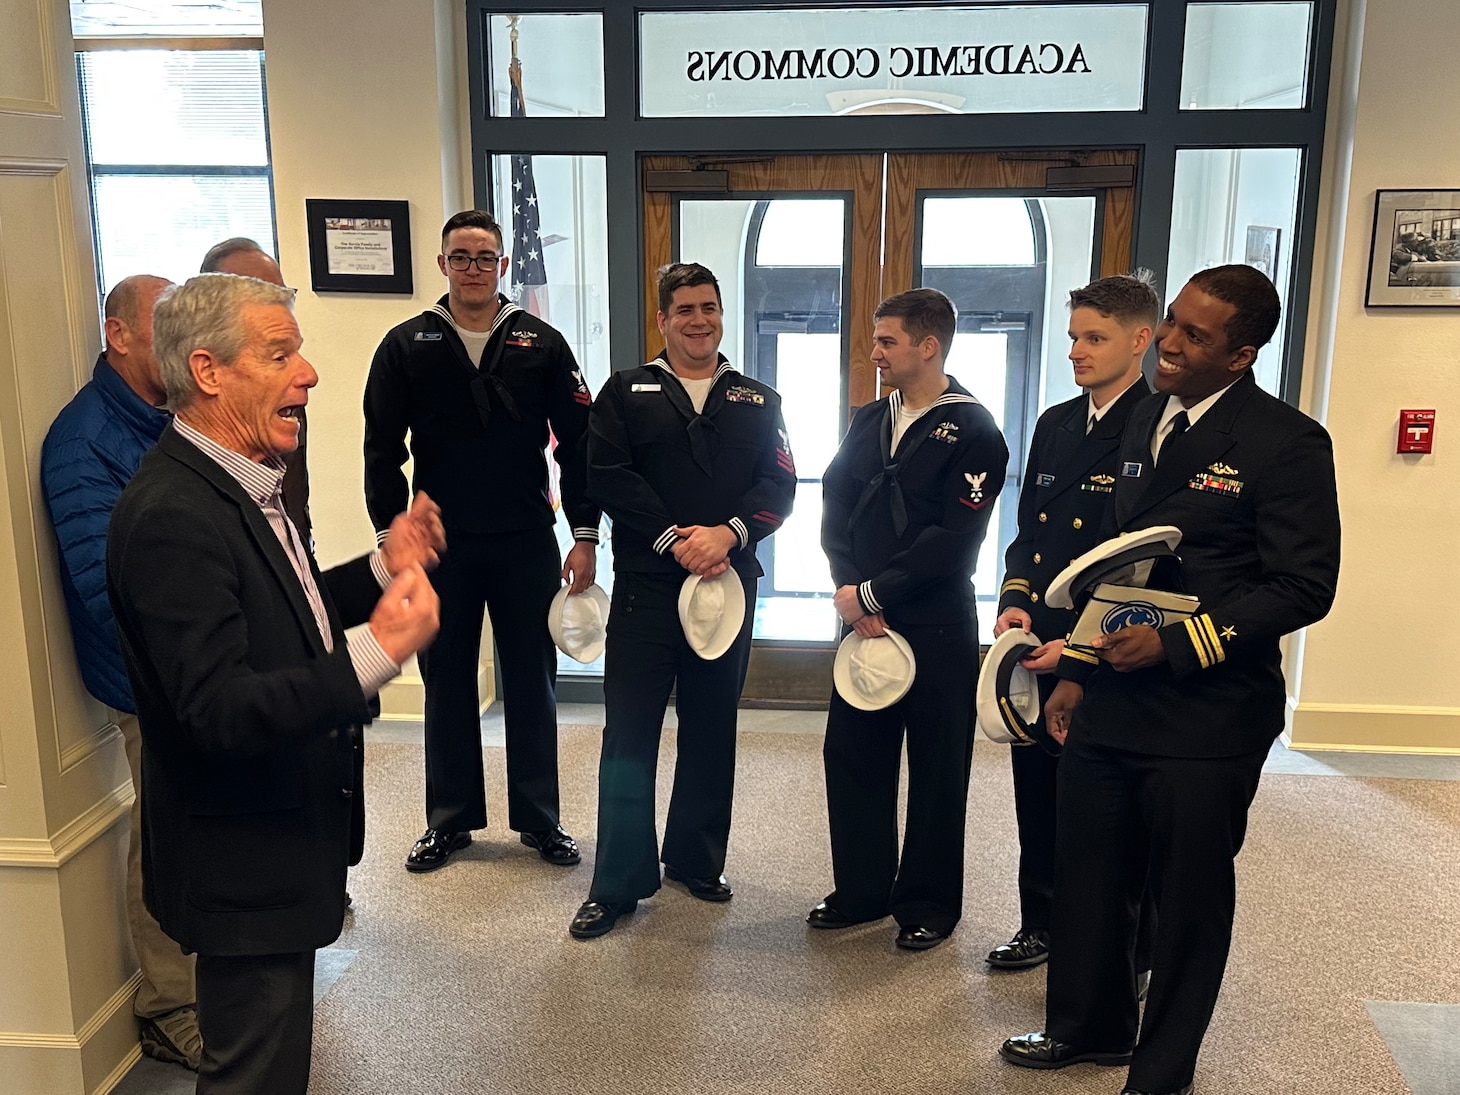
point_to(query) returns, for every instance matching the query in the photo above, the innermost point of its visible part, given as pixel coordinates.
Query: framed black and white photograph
(1415, 255)
(1262, 249)
(359, 246)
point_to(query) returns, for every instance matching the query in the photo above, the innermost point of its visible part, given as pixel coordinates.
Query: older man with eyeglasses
(478, 383)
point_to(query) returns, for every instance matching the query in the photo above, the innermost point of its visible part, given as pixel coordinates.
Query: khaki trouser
(167, 973)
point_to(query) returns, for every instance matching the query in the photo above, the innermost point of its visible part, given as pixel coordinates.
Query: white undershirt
(474, 341)
(699, 390)
(904, 419)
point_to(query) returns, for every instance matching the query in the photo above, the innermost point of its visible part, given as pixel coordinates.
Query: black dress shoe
(912, 937)
(706, 889)
(1027, 949)
(1039, 1050)
(554, 845)
(1187, 1090)
(595, 918)
(831, 918)
(435, 848)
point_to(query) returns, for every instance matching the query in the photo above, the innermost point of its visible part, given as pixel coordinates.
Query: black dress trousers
(514, 576)
(863, 755)
(1036, 772)
(1034, 769)
(646, 656)
(1187, 818)
(256, 1015)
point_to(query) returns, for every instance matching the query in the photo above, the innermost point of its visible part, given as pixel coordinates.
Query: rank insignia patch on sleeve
(976, 499)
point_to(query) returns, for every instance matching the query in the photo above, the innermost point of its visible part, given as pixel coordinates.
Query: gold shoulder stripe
(1071, 652)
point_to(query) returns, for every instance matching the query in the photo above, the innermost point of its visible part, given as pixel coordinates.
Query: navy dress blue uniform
(653, 464)
(1069, 480)
(477, 436)
(1163, 763)
(905, 527)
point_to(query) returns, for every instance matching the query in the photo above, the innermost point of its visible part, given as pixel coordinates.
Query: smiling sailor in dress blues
(908, 499)
(1166, 728)
(691, 462)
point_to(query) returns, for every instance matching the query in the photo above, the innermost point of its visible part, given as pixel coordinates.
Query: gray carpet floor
(465, 980)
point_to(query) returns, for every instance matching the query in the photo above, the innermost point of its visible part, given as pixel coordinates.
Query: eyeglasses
(484, 263)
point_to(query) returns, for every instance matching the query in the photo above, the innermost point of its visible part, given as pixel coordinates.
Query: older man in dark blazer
(249, 692)
(1166, 731)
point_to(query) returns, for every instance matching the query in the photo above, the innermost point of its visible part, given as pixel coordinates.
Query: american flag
(529, 274)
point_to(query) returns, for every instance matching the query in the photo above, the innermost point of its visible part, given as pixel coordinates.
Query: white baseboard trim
(119, 1073)
(118, 1000)
(1374, 728)
(71, 837)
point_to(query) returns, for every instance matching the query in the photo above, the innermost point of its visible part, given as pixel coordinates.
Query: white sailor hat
(579, 623)
(1008, 694)
(711, 611)
(1124, 560)
(871, 674)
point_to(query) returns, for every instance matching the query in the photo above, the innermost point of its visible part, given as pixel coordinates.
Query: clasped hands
(849, 608)
(704, 549)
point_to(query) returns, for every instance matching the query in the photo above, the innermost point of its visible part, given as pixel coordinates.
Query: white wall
(366, 100)
(356, 111)
(1380, 671)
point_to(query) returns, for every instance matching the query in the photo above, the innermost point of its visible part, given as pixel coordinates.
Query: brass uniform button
(1079, 523)
(1034, 597)
(1043, 517)
(1037, 559)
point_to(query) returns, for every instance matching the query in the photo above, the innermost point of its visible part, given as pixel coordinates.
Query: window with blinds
(179, 151)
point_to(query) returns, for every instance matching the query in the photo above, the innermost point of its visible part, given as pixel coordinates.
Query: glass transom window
(911, 60)
(1245, 56)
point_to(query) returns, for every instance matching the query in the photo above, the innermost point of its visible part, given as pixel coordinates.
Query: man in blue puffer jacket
(91, 452)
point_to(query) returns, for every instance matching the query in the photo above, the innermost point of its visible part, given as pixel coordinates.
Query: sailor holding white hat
(908, 500)
(690, 460)
(1069, 479)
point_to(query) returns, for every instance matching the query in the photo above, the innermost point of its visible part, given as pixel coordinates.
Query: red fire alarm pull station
(1416, 431)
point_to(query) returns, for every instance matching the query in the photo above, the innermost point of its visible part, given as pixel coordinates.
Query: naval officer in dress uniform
(690, 461)
(908, 499)
(1069, 479)
(1167, 729)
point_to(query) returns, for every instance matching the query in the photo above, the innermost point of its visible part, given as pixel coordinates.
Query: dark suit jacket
(1251, 486)
(250, 746)
(1069, 481)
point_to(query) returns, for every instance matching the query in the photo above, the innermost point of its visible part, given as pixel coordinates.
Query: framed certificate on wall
(359, 246)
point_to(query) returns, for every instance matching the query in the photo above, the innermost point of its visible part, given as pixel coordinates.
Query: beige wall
(66, 971)
(1380, 671)
(366, 100)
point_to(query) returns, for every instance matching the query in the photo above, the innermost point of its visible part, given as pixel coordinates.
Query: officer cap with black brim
(1118, 561)
(1008, 706)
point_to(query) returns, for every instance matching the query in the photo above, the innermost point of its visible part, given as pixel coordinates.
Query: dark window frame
(1157, 131)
